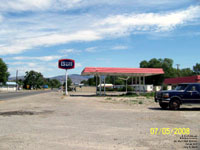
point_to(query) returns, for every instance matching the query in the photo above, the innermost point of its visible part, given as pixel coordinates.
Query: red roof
(122, 71)
(191, 79)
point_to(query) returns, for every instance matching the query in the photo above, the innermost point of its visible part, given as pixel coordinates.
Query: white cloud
(41, 5)
(24, 5)
(119, 47)
(67, 51)
(1, 18)
(19, 46)
(148, 21)
(91, 49)
(78, 65)
(18, 35)
(46, 68)
(42, 58)
(38, 5)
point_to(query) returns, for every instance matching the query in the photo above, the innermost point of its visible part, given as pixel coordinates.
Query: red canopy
(122, 71)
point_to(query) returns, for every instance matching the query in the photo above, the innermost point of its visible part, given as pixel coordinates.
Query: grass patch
(108, 98)
(129, 95)
(140, 102)
(147, 95)
(133, 101)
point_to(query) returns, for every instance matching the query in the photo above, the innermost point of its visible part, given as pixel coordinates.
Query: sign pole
(66, 93)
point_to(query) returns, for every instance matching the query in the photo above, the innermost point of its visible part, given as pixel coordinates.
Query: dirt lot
(52, 121)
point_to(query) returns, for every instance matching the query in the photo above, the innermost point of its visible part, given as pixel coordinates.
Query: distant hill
(14, 78)
(76, 78)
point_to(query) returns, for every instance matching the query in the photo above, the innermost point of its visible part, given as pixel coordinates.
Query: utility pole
(16, 80)
(178, 65)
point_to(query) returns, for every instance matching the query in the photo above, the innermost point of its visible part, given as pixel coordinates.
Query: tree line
(32, 79)
(35, 80)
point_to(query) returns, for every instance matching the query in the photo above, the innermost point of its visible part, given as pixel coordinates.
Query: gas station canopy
(138, 73)
(122, 71)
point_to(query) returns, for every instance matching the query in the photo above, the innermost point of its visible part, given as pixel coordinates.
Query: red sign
(66, 64)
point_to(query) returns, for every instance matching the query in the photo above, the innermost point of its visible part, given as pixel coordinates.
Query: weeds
(108, 98)
(140, 102)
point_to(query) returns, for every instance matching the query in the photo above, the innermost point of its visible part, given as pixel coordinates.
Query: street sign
(66, 64)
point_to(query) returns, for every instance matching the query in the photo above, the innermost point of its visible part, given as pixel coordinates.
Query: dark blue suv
(188, 93)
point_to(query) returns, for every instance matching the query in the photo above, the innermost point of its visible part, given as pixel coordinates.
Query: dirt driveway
(52, 122)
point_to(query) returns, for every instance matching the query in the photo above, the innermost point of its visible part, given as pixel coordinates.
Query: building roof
(122, 71)
(11, 83)
(190, 79)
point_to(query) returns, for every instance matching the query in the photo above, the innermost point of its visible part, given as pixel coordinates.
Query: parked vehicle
(188, 93)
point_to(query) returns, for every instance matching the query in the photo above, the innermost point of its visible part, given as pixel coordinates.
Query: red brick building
(174, 81)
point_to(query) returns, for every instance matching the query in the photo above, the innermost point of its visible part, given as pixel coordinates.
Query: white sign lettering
(65, 64)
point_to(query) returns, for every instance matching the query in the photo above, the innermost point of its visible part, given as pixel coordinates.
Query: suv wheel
(163, 105)
(174, 104)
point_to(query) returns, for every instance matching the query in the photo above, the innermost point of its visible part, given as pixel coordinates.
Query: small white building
(10, 86)
(157, 88)
(106, 85)
(144, 88)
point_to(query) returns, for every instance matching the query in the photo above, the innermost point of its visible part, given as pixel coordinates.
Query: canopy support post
(140, 84)
(144, 84)
(104, 86)
(132, 80)
(126, 86)
(96, 85)
(100, 83)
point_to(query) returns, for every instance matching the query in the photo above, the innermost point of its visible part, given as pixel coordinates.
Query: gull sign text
(66, 64)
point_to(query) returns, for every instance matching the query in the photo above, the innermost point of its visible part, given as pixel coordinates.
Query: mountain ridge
(76, 78)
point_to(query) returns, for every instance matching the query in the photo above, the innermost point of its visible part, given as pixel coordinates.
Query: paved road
(12, 95)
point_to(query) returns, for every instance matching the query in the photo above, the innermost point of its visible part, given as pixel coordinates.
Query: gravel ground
(54, 122)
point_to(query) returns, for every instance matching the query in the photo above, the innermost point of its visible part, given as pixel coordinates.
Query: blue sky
(35, 34)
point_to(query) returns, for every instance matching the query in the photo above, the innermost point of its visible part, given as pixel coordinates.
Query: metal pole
(104, 86)
(136, 80)
(136, 83)
(66, 93)
(96, 85)
(143, 83)
(126, 85)
(132, 81)
(140, 83)
(100, 84)
(16, 80)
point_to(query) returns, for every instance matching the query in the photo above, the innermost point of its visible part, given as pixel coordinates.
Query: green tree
(20, 82)
(4, 74)
(84, 82)
(186, 72)
(54, 83)
(166, 64)
(144, 64)
(69, 83)
(196, 69)
(34, 79)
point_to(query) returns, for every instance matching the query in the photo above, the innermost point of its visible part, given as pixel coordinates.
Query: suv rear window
(181, 87)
